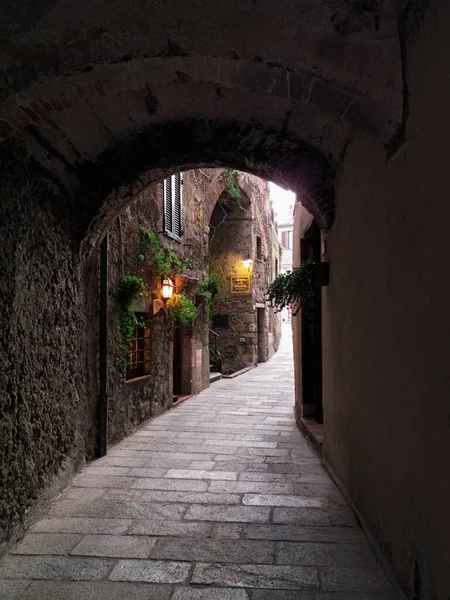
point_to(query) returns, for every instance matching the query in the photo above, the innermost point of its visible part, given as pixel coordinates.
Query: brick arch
(109, 184)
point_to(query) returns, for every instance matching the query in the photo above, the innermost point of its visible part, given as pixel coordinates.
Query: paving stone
(202, 465)
(282, 595)
(243, 514)
(77, 525)
(189, 474)
(190, 497)
(263, 452)
(314, 516)
(241, 466)
(147, 473)
(54, 567)
(164, 483)
(217, 550)
(232, 531)
(256, 576)
(158, 526)
(306, 534)
(84, 494)
(280, 500)
(117, 509)
(47, 543)
(150, 571)
(354, 579)
(120, 546)
(355, 596)
(244, 487)
(105, 481)
(263, 477)
(94, 470)
(325, 554)
(13, 590)
(99, 590)
(191, 593)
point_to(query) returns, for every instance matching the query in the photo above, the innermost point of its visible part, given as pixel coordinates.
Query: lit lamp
(247, 263)
(167, 288)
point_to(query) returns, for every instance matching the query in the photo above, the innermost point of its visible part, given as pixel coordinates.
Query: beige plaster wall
(386, 324)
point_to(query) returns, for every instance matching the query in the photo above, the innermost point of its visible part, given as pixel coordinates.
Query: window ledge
(141, 379)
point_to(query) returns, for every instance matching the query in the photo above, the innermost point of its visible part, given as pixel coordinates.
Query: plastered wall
(386, 325)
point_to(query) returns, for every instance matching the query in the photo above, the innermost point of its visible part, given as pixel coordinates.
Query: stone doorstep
(213, 377)
(240, 372)
(313, 431)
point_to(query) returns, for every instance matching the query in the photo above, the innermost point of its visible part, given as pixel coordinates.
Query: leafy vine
(296, 288)
(181, 309)
(209, 289)
(130, 288)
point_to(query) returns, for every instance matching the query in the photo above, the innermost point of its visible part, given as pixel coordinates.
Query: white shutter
(177, 204)
(168, 205)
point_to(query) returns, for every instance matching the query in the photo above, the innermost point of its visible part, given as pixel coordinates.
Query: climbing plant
(296, 288)
(181, 309)
(162, 262)
(130, 288)
(209, 288)
(233, 189)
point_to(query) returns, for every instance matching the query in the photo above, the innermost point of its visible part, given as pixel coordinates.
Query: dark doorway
(312, 336)
(178, 339)
(260, 316)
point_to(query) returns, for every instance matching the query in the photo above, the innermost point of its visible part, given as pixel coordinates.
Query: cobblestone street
(218, 499)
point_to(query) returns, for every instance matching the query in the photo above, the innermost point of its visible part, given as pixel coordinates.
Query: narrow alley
(218, 499)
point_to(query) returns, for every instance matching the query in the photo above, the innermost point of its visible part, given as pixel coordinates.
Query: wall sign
(241, 285)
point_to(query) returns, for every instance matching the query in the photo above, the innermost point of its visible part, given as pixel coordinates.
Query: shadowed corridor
(220, 498)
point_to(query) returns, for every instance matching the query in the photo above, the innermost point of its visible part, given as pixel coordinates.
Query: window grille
(139, 364)
(258, 248)
(173, 204)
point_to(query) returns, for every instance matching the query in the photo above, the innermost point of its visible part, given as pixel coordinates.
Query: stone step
(214, 377)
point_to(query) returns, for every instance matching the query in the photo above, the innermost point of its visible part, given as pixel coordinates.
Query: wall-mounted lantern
(167, 289)
(247, 263)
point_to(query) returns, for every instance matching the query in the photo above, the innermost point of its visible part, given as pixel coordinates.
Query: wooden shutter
(168, 205)
(177, 203)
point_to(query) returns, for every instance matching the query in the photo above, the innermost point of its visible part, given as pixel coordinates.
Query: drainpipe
(102, 414)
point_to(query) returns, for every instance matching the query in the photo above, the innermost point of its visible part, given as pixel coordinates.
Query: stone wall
(132, 402)
(386, 326)
(233, 237)
(46, 418)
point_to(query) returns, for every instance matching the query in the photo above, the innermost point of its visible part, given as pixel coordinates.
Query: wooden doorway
(312, 336)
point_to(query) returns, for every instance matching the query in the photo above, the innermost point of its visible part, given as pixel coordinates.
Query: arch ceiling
(87, 80)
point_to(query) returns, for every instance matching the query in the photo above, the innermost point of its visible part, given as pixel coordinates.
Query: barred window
(173, 203)
(139, 364)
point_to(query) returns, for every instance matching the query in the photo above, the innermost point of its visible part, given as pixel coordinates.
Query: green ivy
(233, 189)
(281, 250)
(181, 309)
(296, 288)
(209, 289)
(130, 288)
(161, 262)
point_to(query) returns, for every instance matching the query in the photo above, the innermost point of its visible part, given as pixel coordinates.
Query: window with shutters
(173, 204)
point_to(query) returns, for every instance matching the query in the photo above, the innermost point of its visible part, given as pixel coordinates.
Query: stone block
(12, 590)
(214, 550)
(47, 543)
(325, 554)
(98, 590)
(192, 593)
(256, 576)
(337, 535)
(54, 567)
(150, 571)
(314, 517)
(251, 487)
(119, 546)
(187, 485)
(238, 514)
(79, 525)
(158, 526)
(190, 497)
(279, 500)
(190, 474)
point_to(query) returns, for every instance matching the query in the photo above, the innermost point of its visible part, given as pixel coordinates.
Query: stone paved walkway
(219, 499)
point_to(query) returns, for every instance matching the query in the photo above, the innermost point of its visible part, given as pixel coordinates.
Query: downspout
(102, 413)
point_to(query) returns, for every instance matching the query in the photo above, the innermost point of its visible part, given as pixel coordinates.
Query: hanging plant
(130, 288)
(296, 288)
(209, 289)
(181, 309)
